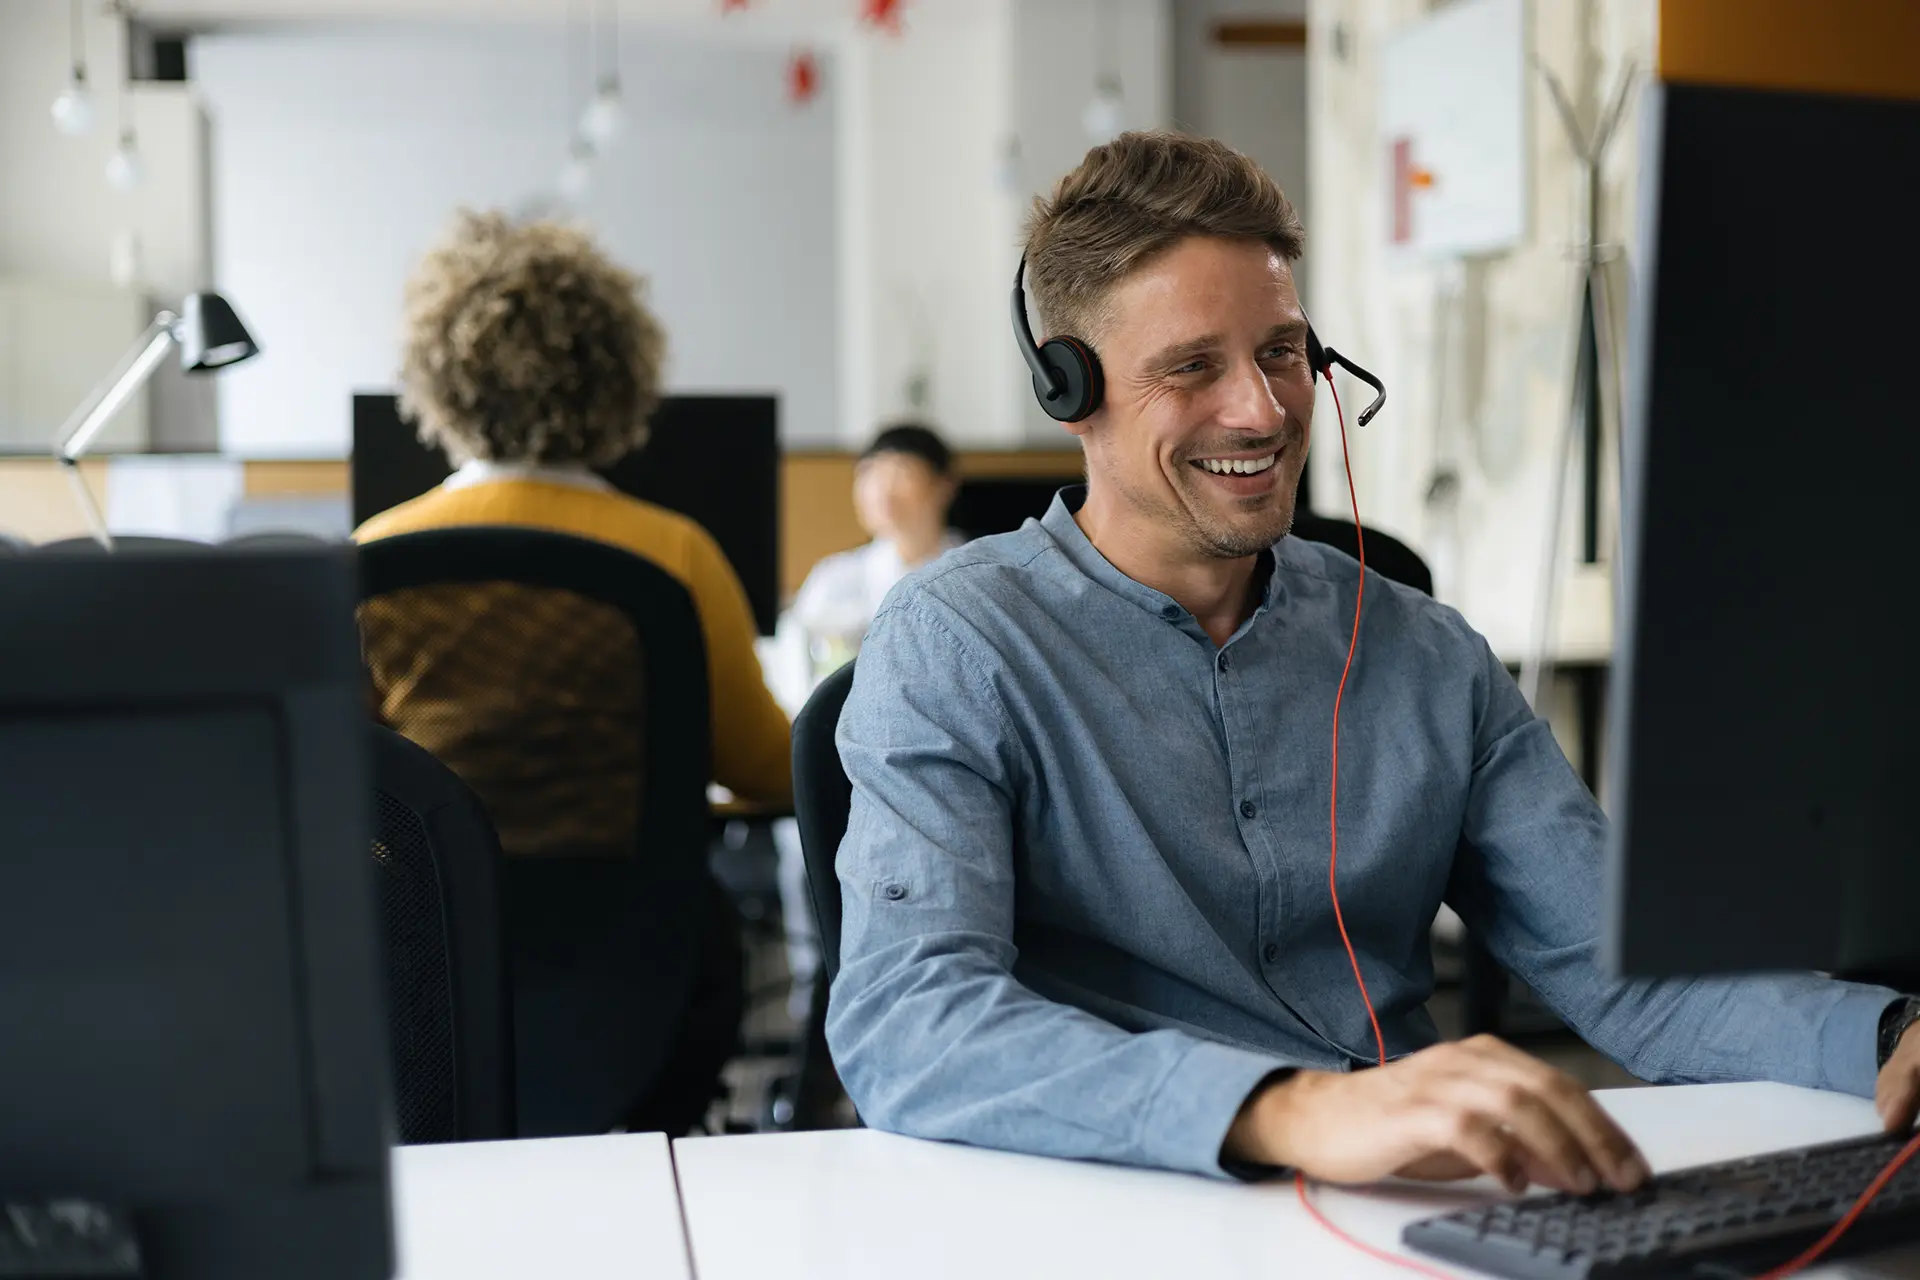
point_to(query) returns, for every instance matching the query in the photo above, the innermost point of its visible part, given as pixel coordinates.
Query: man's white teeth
(1238, 466)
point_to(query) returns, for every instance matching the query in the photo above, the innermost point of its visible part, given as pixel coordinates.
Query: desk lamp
(210, 337)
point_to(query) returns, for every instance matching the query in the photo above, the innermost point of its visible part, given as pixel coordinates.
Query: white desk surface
(579, 1208)
(856, 1204)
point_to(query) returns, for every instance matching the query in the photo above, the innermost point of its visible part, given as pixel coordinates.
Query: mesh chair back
(565, 681)
(448, 1009)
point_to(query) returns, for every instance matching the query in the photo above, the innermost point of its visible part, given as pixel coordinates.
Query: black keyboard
(65, 1240)
(1719, 1220)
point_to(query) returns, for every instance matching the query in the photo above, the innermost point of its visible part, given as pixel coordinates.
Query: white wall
(1253, 99)
(1057, 54)
(926, 225)
(1495, 403)
(338, 155)
(59, 219)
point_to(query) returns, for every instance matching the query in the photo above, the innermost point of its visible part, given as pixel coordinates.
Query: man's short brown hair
(1129, 200)
(523, 342)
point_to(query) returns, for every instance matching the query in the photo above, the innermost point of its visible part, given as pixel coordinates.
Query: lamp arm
(105, 399)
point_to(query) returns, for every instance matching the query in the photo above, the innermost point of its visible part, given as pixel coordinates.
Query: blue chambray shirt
(1085, 873)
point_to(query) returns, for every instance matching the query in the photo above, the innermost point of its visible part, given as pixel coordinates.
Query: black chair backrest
(12, 546)
(449, 1011)
(604, 869)
(1387, 556)
(821, 797)
(132, 542)
(822, 794)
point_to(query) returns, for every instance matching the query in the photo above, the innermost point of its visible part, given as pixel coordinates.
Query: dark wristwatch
(1900, 1015)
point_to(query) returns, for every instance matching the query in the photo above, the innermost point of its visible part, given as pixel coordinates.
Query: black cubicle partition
(715, 459)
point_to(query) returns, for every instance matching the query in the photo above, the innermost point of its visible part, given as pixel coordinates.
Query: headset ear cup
(1081, 380)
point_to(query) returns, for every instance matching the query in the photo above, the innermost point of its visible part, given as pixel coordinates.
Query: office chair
(12, 546)
(565, 681)
(276, 538)
(822, 796)
(449, 1011)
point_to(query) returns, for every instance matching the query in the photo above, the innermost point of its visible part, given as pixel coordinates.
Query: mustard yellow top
(752, 740)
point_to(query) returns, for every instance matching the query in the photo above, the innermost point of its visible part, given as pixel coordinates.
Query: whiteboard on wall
(1453, 127)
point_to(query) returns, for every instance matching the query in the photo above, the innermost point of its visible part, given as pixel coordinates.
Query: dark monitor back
(1765, 691)
(1000, 504)
(188, 972)
(714, 459)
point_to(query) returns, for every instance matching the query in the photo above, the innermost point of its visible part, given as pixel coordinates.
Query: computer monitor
(715, 459)
(985, 505)
(1764, 741)
(189, 990)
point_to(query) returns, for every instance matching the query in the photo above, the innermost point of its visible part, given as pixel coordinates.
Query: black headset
(1068, 382)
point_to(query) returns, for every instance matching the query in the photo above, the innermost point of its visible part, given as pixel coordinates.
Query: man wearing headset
(1086, 871)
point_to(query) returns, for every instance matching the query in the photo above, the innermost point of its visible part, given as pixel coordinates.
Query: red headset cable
(1812, 1254)
(1333, 858)
(1333, 801)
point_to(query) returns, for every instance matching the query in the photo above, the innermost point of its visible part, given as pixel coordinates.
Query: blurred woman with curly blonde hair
(530, 358)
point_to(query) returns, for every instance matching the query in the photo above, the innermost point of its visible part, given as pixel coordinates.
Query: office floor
(756, 1079)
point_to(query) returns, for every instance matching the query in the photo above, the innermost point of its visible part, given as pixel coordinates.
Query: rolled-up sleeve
(932, 1034)
(1528, 880)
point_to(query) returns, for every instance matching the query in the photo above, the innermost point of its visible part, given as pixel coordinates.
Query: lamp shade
(211, 335)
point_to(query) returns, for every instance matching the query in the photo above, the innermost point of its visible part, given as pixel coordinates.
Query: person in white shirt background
(903, 487)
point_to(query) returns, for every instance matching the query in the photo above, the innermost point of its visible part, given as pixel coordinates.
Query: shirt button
(1170, 612)
(1246, 809)
(1226, 661)
(1270, 952)
(895, 891)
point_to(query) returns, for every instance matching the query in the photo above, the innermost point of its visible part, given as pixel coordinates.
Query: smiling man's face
(1209, 400)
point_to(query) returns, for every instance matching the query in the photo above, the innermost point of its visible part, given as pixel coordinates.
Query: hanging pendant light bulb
(1105, 114)
(576, 175)
(124, 170)
(73, 109)
(606, 114)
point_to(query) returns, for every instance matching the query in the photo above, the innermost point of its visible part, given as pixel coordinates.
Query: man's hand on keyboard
(1452, 1111)
(1897, 1096)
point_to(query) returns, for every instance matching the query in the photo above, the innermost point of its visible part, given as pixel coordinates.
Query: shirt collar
(1084, 556)
(486, 471)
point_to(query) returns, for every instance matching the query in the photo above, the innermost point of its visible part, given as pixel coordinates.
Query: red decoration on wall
(803, 77)
(731, 6)
(884, 14)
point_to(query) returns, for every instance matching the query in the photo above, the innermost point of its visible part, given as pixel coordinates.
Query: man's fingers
(1440, 1166)
(1897, 1098)
(1538, 1130)
(1485, 1145)
(1605, 1147)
